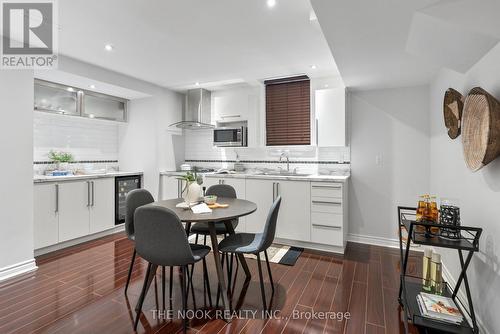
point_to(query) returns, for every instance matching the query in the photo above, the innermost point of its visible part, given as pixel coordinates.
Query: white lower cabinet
(102, 208)
(72, 209)
(328, 213)
(294, 214)
(171, 187)
(46, 216)
(261, 193)
(74, 203)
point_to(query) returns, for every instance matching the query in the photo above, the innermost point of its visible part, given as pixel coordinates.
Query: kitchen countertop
(45, 178)
(250, 175)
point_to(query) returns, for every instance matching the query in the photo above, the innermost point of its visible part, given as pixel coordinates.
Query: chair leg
(130, 270)
(262, 290)
(196, 240)
(205, 240)
(184, 297)
(171, 283)
(192, 286)
(207, 282)
(218, 288)
(148, 278)
(163, 280)
(269, 270)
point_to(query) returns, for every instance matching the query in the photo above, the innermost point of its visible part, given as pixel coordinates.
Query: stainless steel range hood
(197, 111)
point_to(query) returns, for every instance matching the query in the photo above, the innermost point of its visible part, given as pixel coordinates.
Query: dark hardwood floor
(80, 290)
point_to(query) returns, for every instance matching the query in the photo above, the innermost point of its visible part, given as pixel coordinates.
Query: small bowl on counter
(210, 199)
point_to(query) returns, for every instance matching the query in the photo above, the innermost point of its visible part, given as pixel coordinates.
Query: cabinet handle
(277, 190)
(57, 199)
(328, 226)
(92, 193)
(328, 187)
(178, 188)
(230, 116)
(274, 192)
(88, 193)
(327, 203)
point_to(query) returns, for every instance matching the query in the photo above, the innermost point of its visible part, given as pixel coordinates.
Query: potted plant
(192, 191)
(62, 159)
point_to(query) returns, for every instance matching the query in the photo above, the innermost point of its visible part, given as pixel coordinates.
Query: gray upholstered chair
(255, 243)
(161, 240)
(219, 190)
(134, 199)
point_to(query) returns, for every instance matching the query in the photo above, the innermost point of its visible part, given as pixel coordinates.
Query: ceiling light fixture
(312, 16)
(271, 3)
(70, 89)
(313, 67)
(196, 84)
(92, 86)
(108, 47)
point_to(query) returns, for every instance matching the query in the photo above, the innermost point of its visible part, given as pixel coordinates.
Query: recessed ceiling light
(312, 16)
(108, 47)
(70, 89)
(197, 84)
(92, 86)
(271, 3)
(91, 115)
(313, 67)
(326, 86)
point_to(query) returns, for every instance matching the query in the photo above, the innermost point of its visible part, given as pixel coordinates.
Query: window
(288, 112)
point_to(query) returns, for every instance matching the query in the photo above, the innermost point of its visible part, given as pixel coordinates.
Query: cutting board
(218, 206)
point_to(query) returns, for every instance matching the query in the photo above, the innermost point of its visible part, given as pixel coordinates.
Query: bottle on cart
(436, 274)
(426, 270)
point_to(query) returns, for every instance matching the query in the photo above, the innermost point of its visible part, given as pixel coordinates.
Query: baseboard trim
(17, 269)
(73, 242)
(371, 240)
(379, 241)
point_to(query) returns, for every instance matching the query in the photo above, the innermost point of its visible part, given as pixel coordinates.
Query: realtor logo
(28, 34)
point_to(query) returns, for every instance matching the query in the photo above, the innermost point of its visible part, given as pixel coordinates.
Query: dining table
(235, 208)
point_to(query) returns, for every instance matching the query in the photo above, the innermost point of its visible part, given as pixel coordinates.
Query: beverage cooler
(124, 185)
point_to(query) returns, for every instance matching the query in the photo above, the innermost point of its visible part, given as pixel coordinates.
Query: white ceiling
(176, 43)
(394, 43)
(368, 41)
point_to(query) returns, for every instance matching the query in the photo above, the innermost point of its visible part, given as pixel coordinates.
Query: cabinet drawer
(327, 219)
(321, 189)
(327, 235)
(326, 205)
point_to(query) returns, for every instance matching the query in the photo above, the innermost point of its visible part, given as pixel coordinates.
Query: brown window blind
(288, 115)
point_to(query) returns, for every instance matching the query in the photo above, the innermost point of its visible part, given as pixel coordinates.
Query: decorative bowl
(210, 199)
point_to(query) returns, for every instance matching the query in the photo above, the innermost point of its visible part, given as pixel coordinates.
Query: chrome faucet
(285, 155)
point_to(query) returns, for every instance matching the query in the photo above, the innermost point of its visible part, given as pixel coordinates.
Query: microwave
(230, 137)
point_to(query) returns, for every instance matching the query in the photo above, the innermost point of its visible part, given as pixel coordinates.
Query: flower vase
(191, 193)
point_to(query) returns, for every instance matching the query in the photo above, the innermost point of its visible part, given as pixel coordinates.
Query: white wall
(146, 142)
(16, 150)
(478, 193)
(389, 156)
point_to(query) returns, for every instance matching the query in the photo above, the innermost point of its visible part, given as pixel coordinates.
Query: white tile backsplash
(86, 139)
(198, 146)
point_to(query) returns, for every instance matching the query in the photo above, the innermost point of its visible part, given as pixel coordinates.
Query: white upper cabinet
(234, 105)
(330, 117)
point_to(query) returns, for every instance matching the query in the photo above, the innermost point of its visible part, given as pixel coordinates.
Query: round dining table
(236, 208)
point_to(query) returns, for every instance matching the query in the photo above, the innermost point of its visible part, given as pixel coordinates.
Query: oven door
(228, 137)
